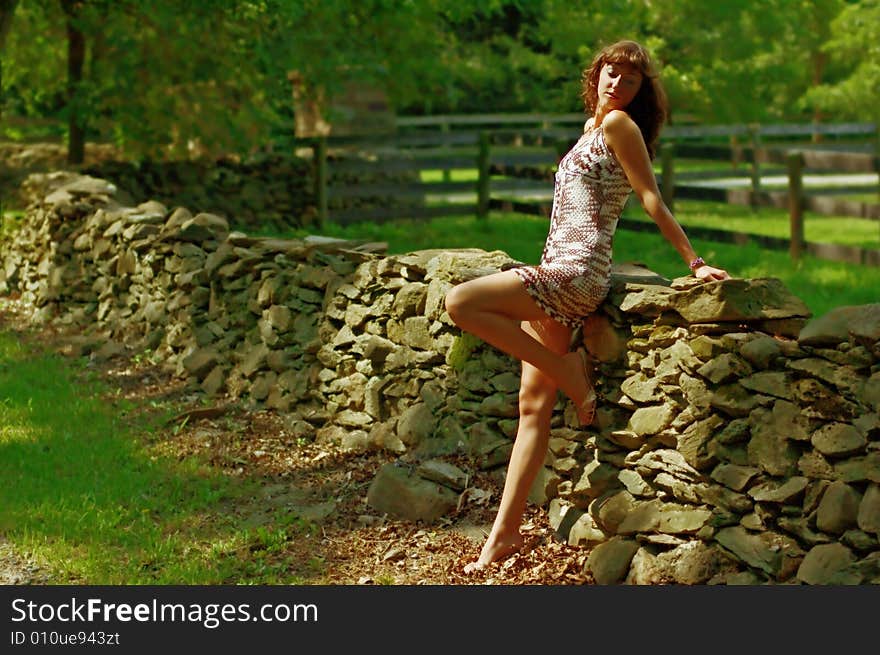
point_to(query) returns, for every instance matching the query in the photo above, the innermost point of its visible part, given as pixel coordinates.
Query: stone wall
(737, 441)
(18, 160)
(271, 191)
(266, 191)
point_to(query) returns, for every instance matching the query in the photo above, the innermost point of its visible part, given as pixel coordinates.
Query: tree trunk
(76, 55)
(7, 10)
(819, 61)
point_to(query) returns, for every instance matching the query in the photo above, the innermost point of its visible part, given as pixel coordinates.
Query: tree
(516, 55)
(76, 56)
(173, 77)
(854, 48)
(160, 77)
(7, 11)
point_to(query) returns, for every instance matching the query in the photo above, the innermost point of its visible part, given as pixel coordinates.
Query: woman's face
(618, 85)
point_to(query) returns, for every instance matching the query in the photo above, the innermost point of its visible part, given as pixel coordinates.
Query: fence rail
(576, 121)
(819, 199)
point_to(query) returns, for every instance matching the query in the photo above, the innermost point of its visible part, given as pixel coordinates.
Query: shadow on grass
(83, 493)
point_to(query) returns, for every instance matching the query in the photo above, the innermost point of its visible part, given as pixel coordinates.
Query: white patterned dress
(589, 193)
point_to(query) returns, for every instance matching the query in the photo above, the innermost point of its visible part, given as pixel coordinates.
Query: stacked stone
(266, 191)
(226, 311)
(258, 337)
(128, 272)
(736, 443)
(398, 375)
(39, 259)
(19, 160)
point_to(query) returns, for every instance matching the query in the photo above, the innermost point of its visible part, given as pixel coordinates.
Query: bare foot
(495, 549)
(580, 390)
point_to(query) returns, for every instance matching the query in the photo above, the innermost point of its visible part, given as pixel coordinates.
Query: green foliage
(34, 64)
(854, 48)
(175, 78)
(10, 223)
(460, 351)
(739, 61)
(159, 78)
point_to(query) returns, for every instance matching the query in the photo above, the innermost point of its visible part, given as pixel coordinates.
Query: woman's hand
(709, 273)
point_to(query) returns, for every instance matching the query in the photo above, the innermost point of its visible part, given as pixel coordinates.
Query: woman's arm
(624, 138)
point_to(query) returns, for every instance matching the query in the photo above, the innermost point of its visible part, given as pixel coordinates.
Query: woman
(530, 312)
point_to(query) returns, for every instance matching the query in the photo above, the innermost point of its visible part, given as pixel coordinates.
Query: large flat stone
(838, 325)
(399, 491)
(738, 300)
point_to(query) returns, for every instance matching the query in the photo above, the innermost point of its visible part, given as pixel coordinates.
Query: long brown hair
(650, 107)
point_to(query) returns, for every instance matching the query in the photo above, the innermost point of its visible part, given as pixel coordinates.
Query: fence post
(736, 154)
(877, 135)
(877, 151)
(444, 130)
(795, 164)
(877, 155)
(755, 141)
(483, 179)
(319, 156)
(667, 185)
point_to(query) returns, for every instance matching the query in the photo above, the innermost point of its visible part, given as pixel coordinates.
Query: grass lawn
(770, 221)
(84, 489)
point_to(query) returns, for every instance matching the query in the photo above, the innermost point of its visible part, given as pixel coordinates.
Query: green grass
(85, 495)
(698, 165)
(10, 222)
(455, 175)
(518, 235)
(770, 221)
(863, 197)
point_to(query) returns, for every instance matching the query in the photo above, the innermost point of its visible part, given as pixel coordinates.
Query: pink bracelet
(694, 265)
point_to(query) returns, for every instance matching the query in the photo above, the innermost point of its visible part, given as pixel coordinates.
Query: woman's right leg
(537, 397)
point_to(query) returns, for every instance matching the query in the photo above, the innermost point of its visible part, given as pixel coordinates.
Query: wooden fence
(342, 163)
(793, 163)
(772, 160)
(524, 148)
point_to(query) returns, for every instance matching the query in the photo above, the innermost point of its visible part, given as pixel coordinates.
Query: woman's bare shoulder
(618, 120)
(618, 126)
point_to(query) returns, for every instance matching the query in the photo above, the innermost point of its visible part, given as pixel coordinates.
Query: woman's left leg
(537, 397)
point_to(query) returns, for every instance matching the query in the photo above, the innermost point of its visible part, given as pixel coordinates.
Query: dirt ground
(351, 543)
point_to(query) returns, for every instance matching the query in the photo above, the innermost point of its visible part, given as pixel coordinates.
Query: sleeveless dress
(589, 193)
